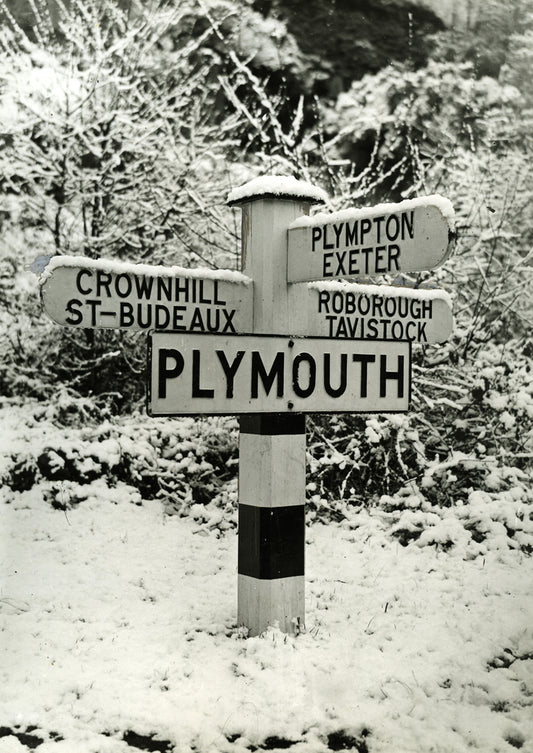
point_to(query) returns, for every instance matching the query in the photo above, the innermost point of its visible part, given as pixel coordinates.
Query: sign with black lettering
(412, 236)
(236, 374)
(98, 293)
(378, 312)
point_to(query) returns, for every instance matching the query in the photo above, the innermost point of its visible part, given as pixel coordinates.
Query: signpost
(272, 343)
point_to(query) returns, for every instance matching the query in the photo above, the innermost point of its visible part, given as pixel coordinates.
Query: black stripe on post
(271, 541)
(272, 423)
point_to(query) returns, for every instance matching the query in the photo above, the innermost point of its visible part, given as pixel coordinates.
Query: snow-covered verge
(118, 619)
(64, 445)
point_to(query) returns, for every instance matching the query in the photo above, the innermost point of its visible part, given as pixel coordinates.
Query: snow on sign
(412, 236)
(342, 309)
(217, 374)
(83, 292)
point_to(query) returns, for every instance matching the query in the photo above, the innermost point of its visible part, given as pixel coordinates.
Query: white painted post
(272, 446)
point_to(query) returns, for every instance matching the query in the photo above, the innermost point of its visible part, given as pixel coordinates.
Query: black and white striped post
(272, 445)
(271, 582)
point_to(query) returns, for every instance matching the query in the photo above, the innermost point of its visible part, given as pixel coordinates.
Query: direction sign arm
(411, 236)
(81, 292)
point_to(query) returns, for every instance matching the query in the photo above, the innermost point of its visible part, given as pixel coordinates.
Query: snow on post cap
(277, 187)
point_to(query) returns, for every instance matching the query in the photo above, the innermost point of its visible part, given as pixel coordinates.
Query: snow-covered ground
(118, 632)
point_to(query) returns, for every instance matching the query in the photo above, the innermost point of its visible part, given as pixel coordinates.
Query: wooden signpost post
(269, 345)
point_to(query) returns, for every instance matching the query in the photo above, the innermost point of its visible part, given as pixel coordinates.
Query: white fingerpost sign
(342, 309)
(413, 236)
(101, 293)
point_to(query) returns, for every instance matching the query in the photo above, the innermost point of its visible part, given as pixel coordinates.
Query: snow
(122, 267)
(118, 618)
(389, 291)
(277, 185)
(127, 623)
(444, 206)
(497, 401)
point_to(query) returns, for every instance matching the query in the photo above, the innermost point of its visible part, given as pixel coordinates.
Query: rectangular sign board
(81, 292)
(412, 236)
(373, 312)
(234, 374)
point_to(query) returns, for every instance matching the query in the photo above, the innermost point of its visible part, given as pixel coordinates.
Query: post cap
(277, 187)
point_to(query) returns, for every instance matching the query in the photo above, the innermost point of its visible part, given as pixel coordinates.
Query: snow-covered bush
(396, 125)
(66, 445)
(404, 473)
(122, 135)
(109, 144)
(109, 148)
(470, 433)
